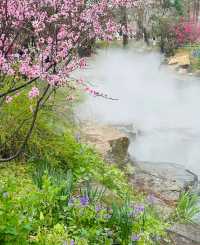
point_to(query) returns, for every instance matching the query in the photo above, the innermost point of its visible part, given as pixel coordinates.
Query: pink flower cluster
(34, 92)
(9, 99)
(187, 31)
(39, 39)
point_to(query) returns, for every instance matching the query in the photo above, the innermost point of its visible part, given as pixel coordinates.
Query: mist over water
(162, 105)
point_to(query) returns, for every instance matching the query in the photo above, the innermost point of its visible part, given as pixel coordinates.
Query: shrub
(186, 31)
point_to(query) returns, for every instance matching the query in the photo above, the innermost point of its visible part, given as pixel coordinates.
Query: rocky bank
(165, 181)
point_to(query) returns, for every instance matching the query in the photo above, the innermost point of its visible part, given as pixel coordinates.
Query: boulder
(163, 180)
(110, 142)
(183, 234)
(182, 59)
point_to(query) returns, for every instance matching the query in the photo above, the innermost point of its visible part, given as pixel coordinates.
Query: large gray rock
(164, 180)
(184, 234)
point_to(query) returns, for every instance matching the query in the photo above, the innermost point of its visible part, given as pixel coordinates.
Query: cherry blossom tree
(39, 42)
(187, 31)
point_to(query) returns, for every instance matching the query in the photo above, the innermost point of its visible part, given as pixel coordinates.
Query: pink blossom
(186, 31)
(9, 99)
(80, 81)
(34, 92)
(82, 63)
(50, 54)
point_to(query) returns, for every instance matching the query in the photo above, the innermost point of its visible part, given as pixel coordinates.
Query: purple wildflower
(135, 238)
(138, 209)
(72, 242)
(98, 208)
(78, 136)
(84, 200)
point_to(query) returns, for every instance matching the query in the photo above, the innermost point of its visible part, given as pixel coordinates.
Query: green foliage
(48, 215)
(121, 218)
(65, 192)
(178, 5)
(161, 29)
(25, 210)
(14, 121)
(95, 194)
(195, 64)
(187, 208)
(101, 44)
(193, 49)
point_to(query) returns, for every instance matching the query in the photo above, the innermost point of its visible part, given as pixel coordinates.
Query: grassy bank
(62, 192)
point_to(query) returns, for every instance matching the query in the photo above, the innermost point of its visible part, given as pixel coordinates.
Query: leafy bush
(186, 31)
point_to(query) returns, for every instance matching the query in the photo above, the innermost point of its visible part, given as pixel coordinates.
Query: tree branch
(39, 102)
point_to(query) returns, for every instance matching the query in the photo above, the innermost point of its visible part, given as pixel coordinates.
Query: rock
(164, 180)
(128, 129)
(107, 140)
(182, 59)
(183, 234)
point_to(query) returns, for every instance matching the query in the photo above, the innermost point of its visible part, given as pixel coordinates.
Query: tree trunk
(146, 36)
(124, 24)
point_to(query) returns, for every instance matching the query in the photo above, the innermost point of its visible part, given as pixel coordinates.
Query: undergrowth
(62, 192)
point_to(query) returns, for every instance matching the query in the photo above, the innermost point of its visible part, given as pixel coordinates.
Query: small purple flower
(78, 136)
(84, 200)
(138, 209)
(72, 242)
(98, 208)
(135, 238)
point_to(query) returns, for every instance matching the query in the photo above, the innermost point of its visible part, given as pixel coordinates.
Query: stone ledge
(111, 143)
(185, 234)
(164, 180)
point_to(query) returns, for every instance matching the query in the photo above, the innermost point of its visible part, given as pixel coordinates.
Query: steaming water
(162, 105)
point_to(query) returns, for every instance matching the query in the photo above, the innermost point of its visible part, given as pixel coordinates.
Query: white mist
(163, 105)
